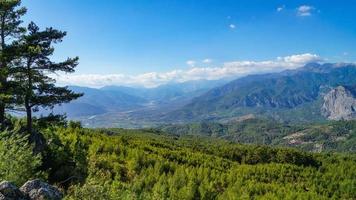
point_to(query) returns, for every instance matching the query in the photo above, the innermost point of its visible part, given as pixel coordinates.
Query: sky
(153, 42)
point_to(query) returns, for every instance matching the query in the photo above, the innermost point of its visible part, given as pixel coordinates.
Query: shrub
(17, 161)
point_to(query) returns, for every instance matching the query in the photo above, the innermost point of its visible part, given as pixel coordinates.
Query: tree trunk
(29, 119)
(28, 98)
(2, 116)
(35, 137)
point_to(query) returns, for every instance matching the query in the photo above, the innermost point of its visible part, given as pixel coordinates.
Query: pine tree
(32, 72)
(10, 30)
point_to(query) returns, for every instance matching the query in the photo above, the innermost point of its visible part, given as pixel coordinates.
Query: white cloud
(300, 58)
(191, 63)
(280, 8)
(305, 10)
(232, 26)
(228, 69)
(207, 61)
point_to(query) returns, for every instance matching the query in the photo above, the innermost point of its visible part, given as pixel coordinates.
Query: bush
(17, 161)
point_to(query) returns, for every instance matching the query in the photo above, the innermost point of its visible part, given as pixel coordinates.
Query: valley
(293, 96)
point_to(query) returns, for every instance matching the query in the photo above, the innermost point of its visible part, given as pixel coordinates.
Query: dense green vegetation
(17, 161)
(134, 164)
(328, 136)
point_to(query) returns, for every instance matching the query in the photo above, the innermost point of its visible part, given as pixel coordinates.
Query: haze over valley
(289, 96)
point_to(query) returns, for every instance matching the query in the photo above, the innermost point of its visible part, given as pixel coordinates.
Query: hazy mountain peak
(324, 67)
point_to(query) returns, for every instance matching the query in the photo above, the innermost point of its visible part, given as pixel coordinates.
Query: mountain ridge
(287, 96)
(287, 90)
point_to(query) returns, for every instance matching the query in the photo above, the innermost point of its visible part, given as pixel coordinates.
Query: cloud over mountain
(226, 70)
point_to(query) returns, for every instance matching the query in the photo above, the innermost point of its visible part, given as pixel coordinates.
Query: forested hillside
(328, 136)
(132, 164)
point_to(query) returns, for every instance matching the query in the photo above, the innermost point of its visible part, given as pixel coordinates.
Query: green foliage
(65, 157)
(35, 88)
(133, 164)
(26, 66)
(10, 29)
(149, 164)
(17, 161)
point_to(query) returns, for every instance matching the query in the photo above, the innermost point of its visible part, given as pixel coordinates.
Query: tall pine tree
(36, 87)
(10, 30)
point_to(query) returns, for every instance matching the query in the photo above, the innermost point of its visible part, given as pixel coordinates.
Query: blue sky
(158, 39)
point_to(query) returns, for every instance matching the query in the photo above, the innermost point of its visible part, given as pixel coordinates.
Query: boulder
(8, 191)
(39, 190)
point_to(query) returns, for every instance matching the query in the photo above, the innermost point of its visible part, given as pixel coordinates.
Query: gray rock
(339, 104)
(38, 190)
(9, 191)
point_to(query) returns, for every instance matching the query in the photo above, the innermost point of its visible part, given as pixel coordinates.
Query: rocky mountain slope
(340, 103)
(294, 95)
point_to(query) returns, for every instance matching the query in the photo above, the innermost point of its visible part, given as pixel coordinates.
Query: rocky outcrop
(31, 190)
(37, 189)
(339, 104)
(8, 191)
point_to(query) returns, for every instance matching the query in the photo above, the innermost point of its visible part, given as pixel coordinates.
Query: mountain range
(293, 95)
(300, 95)
(113, 104)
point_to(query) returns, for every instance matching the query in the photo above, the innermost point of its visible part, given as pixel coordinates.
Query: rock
(38, 190)
(9, 191)
(31, 190)
(340, 104)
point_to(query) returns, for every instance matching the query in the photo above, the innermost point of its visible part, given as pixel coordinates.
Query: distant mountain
(110, 104)
(96, 101)
(170, 91)
(293, 95)
(109, 100)
(288, 96)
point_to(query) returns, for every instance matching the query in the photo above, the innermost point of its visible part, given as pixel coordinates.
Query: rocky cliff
(340, 104)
